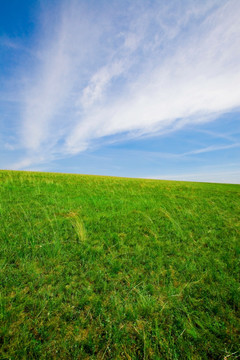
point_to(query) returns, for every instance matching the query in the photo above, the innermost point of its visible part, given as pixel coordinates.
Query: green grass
(110, 268)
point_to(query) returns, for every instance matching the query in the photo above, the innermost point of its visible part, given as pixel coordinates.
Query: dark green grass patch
(107, 268)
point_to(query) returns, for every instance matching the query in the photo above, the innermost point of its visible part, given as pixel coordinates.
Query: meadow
(95, 267)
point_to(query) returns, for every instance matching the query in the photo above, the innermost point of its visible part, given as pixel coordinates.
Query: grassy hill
(110, 268)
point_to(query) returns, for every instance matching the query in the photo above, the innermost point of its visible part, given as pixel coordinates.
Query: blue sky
(125, 88)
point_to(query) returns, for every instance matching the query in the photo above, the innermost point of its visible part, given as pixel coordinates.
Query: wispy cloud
(154, 155)
(211, 148)
(128, 69)
(197, 78)
(232, 177)
(8, 42)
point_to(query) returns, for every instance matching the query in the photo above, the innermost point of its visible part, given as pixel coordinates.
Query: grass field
(111, 268)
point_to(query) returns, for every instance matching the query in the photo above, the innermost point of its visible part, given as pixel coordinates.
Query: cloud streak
(125, 69)
(231, 177)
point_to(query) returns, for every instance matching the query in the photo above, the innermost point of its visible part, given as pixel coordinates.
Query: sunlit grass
(109, 268)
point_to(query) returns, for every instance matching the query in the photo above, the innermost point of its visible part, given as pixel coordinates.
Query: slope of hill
(110, 268)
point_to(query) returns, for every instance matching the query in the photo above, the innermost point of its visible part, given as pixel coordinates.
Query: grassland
(109, 268)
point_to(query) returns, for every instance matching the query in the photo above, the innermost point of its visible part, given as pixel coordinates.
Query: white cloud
(95, 89)
(211, 148)
(9, 43)
(227, 177)
(165, 66)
